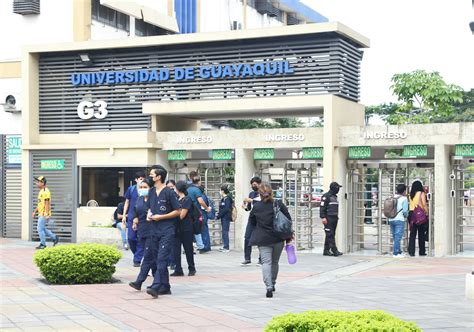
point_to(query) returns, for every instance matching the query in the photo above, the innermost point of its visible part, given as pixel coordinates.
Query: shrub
(85, 263)
(364, 320)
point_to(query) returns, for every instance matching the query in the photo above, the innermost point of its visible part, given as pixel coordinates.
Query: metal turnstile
(299, 186)
(462, 193)
(369, 184)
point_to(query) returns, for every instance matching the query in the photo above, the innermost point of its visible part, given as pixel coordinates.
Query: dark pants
(149, 258)
(421, 230)
(135, 246)
(162, 248)
(225, 232)
(185, 239)
(330, 230)
(247, 247)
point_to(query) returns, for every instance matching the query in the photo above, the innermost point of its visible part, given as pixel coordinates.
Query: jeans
(225, 233)
(123, 232)
(206, 238)
(270, 256)
(43, 231)
(199, 242)
(247, 247)
(397, 227)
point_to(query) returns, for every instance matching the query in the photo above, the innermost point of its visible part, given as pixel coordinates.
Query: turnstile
(369, 184)
(462, 193)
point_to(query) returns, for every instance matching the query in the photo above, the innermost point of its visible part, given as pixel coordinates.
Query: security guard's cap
(40, 178)
(334, 185)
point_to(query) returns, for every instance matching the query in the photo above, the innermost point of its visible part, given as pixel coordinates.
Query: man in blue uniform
(164, 213)
(131, 197)
(248, 203)
(329, 213)
(195, 193)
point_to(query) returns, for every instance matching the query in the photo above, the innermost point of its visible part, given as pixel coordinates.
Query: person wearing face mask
(144, 232)
(329, 213)
(247, 206)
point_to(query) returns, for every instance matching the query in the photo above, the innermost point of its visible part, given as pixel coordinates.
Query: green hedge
(364, 320)
(85, 263)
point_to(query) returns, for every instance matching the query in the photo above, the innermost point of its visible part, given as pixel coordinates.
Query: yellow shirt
(43, 196)
(417, 200)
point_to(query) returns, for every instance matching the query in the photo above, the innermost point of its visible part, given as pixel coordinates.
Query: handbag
(419, 216)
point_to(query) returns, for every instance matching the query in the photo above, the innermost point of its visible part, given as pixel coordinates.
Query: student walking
(43, 209)
(397, 223)
(269, 244)
(164, 211)
(131, 197)
(145, 233)
(253, 197)
(225, 215)
(329, 213)
(418, 217)
(184, 232)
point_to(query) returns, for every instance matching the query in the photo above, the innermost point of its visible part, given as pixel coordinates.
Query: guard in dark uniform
(329, 213)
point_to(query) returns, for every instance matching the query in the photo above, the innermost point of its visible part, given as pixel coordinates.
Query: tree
(424, 97)
(260, 123)
(387, 112)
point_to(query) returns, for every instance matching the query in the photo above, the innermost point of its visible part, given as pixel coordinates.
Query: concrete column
(162, 159)
(244, 171)
(443, 235)
(340, 174)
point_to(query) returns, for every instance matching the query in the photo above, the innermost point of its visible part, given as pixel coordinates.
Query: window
(110, 17)
(144, 29)
(106, 184)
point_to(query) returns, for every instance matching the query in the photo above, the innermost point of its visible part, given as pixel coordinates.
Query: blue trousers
(225, 233)
(134, 244)
(161, 249)
(43, 231)
(149, 259)
(206, 237)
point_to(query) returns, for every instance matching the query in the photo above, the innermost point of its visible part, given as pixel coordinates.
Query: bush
(364, 320)
(85, 263)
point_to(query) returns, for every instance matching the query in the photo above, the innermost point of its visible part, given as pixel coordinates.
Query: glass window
(110, 17)
(106, 184)
(143, 29)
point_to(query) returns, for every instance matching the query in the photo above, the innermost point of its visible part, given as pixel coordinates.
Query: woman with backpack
(418, 218)
(225, 215)
(184, 232)
(270, 244)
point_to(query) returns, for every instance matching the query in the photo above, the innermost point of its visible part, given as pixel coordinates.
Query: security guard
(328, 212)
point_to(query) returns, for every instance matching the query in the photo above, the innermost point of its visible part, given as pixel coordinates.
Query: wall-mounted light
(86, 60)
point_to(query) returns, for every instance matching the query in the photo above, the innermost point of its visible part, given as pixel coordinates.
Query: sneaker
(177, 274)
(153, 292)
(224, 250)
(192, 273)
(203, 251)
(41, 246)
(269, 293)
(135, 264)
(337, 253)
(327, 253)
(125, 246)
(164, 292)
(135, 285)
(56, 240)
(246, 263)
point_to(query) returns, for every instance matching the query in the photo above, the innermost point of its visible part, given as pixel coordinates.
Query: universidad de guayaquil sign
(205, 72)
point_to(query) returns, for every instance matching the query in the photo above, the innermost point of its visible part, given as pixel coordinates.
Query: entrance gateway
(133, 124)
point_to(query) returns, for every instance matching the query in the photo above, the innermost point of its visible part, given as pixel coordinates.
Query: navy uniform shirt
(145, 228)
(132, 195)
(163, 204)
(186, 224)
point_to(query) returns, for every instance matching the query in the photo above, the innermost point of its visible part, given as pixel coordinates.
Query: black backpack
(196, 218)
(282, 226)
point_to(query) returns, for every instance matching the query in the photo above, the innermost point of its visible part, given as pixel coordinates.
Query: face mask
(335, 191)
(143, 192)
(255, 188)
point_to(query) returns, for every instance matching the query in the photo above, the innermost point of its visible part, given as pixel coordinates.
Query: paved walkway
(226, 297)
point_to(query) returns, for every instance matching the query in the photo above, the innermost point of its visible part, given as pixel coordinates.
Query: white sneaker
(398, 256)
(125, 246)
(224, 250)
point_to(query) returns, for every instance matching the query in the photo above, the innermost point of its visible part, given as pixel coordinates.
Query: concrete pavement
(224, 296)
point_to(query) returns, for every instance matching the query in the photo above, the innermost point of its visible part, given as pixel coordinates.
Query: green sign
(415, 151)
(14, 149)
(360, 152)
(464, 150)
(264, 154)
(222, 154)
(177, 155)
(313, 153)
(52, 165)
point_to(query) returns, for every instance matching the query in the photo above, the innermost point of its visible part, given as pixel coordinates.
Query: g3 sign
(87, 110)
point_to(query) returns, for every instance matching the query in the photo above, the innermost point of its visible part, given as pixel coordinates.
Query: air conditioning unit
(266, 7)
(26, 7)
(10, 103)
(236, 25)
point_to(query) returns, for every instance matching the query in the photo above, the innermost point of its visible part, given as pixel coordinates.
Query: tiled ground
(226, 297)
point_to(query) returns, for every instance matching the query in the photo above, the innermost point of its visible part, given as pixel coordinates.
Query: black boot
(336, 253)
(135, 285)
(327, 253)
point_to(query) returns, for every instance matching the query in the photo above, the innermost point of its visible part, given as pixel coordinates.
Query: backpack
(196, 218)
(419, 216)
(282, 226)
(390, 207)
(210, 215)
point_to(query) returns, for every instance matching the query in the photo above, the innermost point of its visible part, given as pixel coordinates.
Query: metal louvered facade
(323, 63)
(63, 186)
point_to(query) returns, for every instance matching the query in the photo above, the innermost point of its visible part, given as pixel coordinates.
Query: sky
(406, 35)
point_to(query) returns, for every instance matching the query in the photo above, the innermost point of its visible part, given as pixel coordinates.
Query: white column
(244, 171)
(443, 220)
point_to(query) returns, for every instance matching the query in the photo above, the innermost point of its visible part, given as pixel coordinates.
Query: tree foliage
(261, 123)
